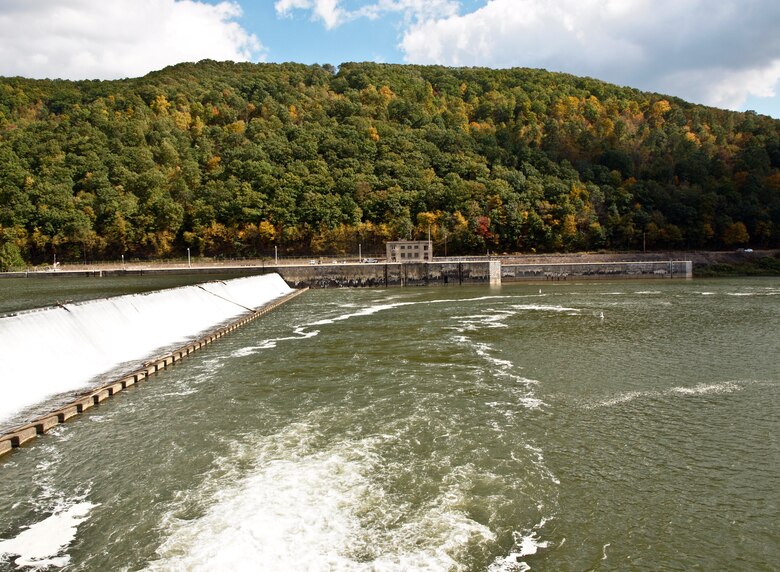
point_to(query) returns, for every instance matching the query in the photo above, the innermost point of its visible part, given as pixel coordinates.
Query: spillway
(64, 348)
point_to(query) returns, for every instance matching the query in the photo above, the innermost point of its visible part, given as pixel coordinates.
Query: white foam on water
(376, 308)
(527, 543)
(288, 514)
(367, 311)
(531, 544)
(41, 545)
(705, 389)
(542, 466)
(56, 350)
(532, 402)
(510, 563)
(301, 510)
(721, 388)
(271, 343)
(546, 308)
(617, 400)
(474, 322)
(504, 369)
(243, 352)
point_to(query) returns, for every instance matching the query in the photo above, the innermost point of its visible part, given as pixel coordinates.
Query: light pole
(360, 252)
(276, 256)
(189, 261)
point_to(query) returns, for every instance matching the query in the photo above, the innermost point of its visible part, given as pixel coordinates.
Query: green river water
(584, 426)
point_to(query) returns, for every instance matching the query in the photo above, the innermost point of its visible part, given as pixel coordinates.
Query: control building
(410, 251)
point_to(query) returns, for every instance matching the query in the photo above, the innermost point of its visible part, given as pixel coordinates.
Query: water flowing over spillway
(63, 348)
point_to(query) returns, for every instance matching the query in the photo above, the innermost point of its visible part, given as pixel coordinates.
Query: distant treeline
(236, 159)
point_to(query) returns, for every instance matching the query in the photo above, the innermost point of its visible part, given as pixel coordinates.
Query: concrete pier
(84, 403)
(20, 435)
(43, 425)
(100, 395)
(23, 434)
(66, 413)
(115, 388)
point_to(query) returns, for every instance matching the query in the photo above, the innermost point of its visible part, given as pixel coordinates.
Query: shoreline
(700, 259)
(493, 269)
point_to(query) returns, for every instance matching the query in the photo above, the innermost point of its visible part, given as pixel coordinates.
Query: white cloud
(727, 88)
(412, 10)
(108, 39)
(332, 14)
(717, 53)
(326, 10)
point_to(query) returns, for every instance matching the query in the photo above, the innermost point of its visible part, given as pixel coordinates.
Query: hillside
(236, 159)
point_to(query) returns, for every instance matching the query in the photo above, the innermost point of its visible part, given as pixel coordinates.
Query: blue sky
(724, 53)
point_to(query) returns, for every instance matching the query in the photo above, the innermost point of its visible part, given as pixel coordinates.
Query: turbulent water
(594, 426)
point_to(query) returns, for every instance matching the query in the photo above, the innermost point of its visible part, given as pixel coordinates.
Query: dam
(444, 271)
(72, 356)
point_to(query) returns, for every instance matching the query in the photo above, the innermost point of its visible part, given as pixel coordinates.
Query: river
(562, 426)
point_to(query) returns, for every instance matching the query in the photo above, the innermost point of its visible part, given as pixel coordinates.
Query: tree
(10, 255)
(736, 234)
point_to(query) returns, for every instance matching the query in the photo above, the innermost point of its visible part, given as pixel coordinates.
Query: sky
(724, 53)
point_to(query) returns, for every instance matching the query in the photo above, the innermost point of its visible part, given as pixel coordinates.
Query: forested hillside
(234, 159)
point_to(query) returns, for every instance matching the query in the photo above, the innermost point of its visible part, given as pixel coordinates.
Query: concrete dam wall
(472, 272)
(391, 274)
(64, 349)
(597, 270)
(381, 275)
